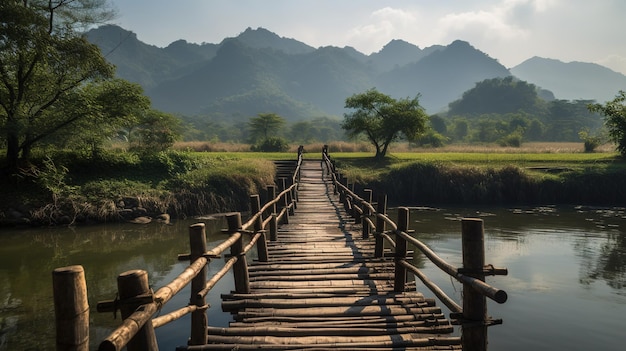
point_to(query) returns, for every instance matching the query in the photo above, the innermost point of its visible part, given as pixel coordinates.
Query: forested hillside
(215, 87)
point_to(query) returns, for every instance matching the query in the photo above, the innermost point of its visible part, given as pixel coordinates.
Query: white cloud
(383, 25)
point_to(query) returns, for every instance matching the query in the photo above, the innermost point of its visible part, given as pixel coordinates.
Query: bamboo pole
(271, 195)
(283, 183)
(474, 331)
(71, 308)
(255, 207)
(401, 249)
(199, 318)
(273, 228)
(240, 268)
(129, 285)
(381, 209)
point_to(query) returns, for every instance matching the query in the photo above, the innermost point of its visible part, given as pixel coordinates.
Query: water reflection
(566, 273)
(560, 260)
(27, 258)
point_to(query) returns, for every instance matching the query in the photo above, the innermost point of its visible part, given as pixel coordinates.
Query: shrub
(272, 144)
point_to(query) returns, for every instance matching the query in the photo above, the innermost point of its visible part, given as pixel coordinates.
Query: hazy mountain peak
(262, 38)
(571, 80)
(394, 54)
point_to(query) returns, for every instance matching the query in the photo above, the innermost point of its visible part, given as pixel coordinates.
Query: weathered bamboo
(240, 268)
(217, 276)
(255, 207)
(283, 183)
(172, 316)
(453, 306)
(71, 308)
(199, 318)
(381, 209)
(130, 284)
(273, 228)
(474, 332)
(401, 250)
(271, 195)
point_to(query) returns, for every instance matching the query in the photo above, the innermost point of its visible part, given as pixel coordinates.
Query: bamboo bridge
(331, 274)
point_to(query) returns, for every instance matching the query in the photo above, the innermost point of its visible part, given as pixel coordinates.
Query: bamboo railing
(472, 315)
(138, 304)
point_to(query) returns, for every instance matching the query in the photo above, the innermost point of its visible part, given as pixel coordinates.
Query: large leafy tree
(44, 61)
(383, 119)
(615, 119)
(265, 125)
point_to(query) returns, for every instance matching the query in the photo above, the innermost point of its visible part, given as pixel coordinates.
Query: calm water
(566, 282)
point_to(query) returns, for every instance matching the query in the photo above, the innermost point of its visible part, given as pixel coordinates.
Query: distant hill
(259, 71)
(442, 76)
(573, 80)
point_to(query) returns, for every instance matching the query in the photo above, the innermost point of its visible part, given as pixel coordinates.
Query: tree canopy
(497, 95)
(615, 119)
(44, 62)
(383, 119)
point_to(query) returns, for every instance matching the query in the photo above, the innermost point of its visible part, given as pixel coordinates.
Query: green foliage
(498, 95)
(43, 61)
(591, 142)
(514, 139)
(271, 144)
(265, 125)
(383, 119)
(431, 139)
(615, 119)
(156, 132)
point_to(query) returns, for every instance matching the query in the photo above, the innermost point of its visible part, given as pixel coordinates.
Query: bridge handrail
(361, 209)
(145, 305)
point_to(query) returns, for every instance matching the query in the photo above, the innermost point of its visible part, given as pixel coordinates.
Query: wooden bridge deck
(323, 289)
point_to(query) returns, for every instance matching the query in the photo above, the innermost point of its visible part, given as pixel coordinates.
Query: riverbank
(69, 188)
(115, 187)
(491, 178)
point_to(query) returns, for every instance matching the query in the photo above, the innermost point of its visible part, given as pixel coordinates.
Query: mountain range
(259, 71)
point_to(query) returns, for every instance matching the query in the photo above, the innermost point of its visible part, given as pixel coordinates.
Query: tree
(156, 131)
(615, 119)
(265, 125)
(109, 109)
(383, 119)
(44, 60)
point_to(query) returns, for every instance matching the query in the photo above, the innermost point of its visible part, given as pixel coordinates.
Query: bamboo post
(401, 249)
(289, 198)
(381, 209)
(71, 308)
(261, 244)
(240, 268)
(273, 228)
(199, 318)
(283, 183)
(365, 227)
(131, 284)
(474, 334)
(271, 195)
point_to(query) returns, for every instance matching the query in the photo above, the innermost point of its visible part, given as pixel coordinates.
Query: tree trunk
(13, 152)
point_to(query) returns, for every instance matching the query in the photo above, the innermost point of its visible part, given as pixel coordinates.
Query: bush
(272, 144)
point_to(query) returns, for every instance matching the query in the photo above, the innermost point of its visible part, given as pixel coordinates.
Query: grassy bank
(489, 178)
(66, 187)
(70, 188)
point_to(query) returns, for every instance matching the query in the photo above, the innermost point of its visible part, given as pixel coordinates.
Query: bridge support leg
(132, 284)
(401, 249)
(71, 308)
(474, 332)
(199, 319)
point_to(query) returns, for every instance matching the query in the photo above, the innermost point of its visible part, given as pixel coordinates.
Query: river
(566, 282)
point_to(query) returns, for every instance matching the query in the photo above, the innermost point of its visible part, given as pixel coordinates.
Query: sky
(510, 31)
